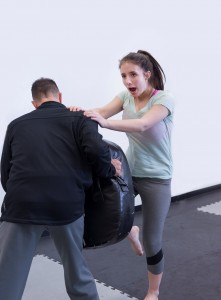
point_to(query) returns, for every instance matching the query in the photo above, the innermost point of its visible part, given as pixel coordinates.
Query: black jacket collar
(51, 104)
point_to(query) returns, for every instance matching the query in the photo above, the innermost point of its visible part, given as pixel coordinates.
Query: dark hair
(43, 87)
(148, 63)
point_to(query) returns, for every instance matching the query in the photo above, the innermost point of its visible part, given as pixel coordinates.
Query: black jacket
(46, 165)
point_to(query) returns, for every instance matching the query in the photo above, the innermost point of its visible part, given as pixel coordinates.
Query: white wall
(79, 43)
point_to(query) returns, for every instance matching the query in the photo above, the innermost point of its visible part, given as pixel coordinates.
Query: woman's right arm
(110, 109)
(106, 111)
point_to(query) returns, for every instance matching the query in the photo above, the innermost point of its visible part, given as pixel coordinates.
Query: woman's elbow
(143, 127)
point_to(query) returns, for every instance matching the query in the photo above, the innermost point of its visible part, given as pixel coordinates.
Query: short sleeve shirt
(149, 152)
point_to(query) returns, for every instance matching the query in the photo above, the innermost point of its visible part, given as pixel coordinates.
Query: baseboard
(190, 194)
(196, 193)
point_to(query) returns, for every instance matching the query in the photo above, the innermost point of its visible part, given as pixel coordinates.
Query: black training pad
(109, 206)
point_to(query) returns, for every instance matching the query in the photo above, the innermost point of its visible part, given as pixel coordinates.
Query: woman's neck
(147, 94)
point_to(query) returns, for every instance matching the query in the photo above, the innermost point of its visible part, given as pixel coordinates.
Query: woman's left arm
(156, 114)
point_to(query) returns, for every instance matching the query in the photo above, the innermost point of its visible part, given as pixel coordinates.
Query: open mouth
(132, 89)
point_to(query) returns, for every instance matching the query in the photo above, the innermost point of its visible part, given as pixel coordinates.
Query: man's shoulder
(74, 113)
(38, 114)
(21, 118)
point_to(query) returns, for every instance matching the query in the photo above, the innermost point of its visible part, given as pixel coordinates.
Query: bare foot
(151, 297)
(133, 237)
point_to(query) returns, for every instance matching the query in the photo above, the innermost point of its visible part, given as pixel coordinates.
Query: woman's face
(134, 78)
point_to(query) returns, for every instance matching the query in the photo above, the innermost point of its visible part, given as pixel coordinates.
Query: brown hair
(148, 63)
(43, 87)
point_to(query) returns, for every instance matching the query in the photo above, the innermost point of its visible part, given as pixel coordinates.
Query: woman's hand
(94, 115)
(75, 108)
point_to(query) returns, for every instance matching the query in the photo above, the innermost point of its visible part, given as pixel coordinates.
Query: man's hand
(117, 164)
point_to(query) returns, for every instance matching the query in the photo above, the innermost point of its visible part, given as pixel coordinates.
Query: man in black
(46, 167)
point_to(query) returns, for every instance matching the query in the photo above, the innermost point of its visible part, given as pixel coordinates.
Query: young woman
(147, 120)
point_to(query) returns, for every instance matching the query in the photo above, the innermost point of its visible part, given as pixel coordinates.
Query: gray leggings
(156, 198)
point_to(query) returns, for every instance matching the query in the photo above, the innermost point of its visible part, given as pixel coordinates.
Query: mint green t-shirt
(149, 152)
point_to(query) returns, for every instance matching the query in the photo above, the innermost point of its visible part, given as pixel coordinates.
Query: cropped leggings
(155, 195)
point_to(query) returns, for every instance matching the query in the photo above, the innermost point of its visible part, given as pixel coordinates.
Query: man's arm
(5, 161)
(95, 149)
